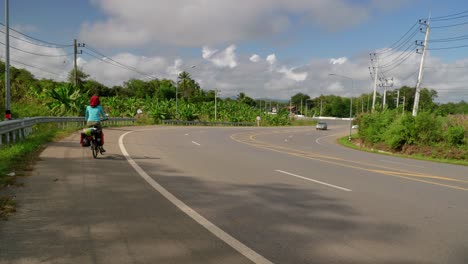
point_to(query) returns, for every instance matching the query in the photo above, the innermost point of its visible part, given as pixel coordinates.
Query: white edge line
(218, 232)
(318, 139)
(198, 144)
(312, 180)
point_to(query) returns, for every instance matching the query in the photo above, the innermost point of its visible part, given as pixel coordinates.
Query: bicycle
(92, 137)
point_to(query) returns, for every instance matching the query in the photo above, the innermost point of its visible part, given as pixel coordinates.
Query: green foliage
(427, 128)
(67, 100)
(455, 135)
(400, 132)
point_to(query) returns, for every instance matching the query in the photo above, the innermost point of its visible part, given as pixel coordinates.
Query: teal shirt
(93, 113)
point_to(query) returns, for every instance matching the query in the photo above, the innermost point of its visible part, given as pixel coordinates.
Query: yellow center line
(329, 159)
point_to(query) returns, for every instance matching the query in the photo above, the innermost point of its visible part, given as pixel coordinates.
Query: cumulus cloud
(269, 78)
(255, 58)
(295, 76)
(199, 22)
(271, 59)
(341, 60)
(225, 58)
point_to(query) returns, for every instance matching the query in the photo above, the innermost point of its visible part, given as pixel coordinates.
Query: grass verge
(17, 160)
(345, 142)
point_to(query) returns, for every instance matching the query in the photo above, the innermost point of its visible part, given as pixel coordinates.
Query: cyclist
(93, 118)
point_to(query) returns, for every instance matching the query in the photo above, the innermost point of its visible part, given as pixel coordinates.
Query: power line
(36, 39)
(118, 65)
(457, 14)
(107, 57)
(447, 48)
(391, 47)
(37, 54)
(453, 25)
(445, 19)
(403, 60)
(35, 67)
(398, 58)
(401, 45)
(35, 43)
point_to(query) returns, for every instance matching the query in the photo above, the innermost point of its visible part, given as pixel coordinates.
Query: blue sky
(229, 42)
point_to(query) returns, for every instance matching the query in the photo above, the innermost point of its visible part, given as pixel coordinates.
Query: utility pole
(385, 84)
(7, 63)
(301, 107)
(75, 67)
(216, 104)
(368, 96)
(320, 107)
(421, 66)
(376, 74)
(398, 98)
(75, 51)
(404, 99)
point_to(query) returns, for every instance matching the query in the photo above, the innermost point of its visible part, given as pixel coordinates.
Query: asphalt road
(236, 195)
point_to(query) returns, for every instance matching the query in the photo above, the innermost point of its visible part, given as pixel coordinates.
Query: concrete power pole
(421, 66)
(385, 83)
(376, 74)
(7, 63)
(398, 98)
(75, 74)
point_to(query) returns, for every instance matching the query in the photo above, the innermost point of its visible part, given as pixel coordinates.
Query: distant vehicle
(321, 126)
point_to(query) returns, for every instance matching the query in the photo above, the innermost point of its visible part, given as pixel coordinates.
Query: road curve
(236, 195)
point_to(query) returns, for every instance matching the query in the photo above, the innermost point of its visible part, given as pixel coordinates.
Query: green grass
(20, 157)
(345, 142)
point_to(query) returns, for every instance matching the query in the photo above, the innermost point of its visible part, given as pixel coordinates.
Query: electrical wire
(398, 58)
(403, 60)
(35, 67)
(448, 48)
(457, 14)
(391, 47)
(107, 57)
(453, 25)
(36, 39)
(401, 45)
(38, 54)
(34, 43)
(458, 38)
(118, 65)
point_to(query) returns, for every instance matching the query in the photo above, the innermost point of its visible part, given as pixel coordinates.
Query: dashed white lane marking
(187, 134)
(196, 143)
(312, 180)
(218, 232)
(402, 163)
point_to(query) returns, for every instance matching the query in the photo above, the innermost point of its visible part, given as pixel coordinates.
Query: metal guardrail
(206, 123)
(12, 131)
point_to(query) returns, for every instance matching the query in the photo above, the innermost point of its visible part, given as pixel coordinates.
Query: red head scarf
(94, 101)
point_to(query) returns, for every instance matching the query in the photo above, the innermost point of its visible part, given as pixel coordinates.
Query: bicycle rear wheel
(94, 149)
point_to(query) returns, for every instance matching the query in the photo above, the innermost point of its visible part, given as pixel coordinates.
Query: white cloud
(270, 78)
(255, 58)
(271, 59)
(225, 58)
(290, 74)
(341, 60)
(199, 22)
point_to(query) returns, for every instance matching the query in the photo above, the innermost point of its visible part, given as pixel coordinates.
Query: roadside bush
(400, 132)
(455, 135)
(427, 129)
(373, 126)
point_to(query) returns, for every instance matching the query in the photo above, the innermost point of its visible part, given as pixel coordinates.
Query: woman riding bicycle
(93, 114)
